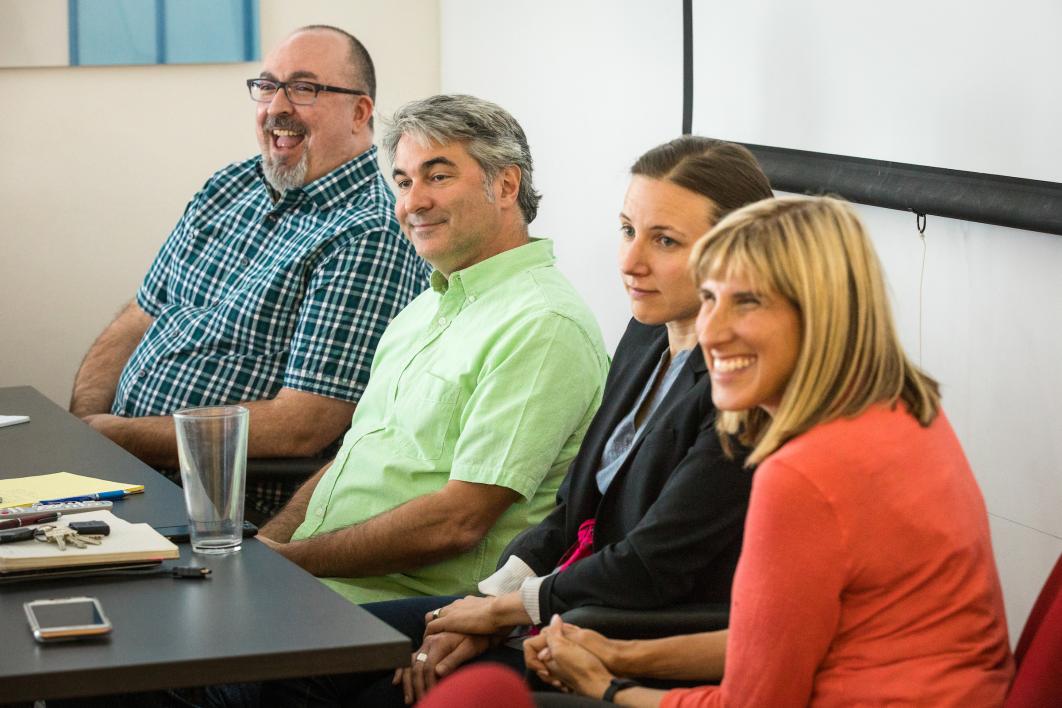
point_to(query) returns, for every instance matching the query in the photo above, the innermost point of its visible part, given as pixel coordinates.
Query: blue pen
(118, 494)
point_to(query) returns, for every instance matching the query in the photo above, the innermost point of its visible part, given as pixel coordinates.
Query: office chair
(650, 624)
(293, 469)
(285, 474)
(1038, 656)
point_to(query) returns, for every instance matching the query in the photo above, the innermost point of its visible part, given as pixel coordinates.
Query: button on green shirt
(492, 376)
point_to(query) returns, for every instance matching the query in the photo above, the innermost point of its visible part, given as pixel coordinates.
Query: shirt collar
(334, 188)
(481, 277)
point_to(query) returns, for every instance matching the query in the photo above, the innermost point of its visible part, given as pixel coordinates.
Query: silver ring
(435, 613)
(422, 657)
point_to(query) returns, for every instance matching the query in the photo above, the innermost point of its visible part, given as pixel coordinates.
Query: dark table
(257, 617)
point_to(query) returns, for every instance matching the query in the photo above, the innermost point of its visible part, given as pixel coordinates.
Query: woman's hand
(440, 655)
(536, 654)
(478, 615)
(570, 664)
(609, 651)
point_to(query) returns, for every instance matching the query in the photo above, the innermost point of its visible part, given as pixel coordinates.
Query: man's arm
(294, 424)
(97, 378)
(281, 526)
(422, 531)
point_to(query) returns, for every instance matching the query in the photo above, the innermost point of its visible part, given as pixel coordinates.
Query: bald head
(304, 141)
(362, 70)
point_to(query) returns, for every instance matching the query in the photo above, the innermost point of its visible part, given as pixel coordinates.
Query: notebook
(127, 543)
(23, 491)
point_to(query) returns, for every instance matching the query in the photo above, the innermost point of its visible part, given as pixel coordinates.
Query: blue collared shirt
(626, 433)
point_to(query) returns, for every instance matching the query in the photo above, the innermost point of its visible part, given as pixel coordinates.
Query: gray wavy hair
(491, 135)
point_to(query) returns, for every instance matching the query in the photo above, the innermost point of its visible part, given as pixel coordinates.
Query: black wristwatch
(615, 686)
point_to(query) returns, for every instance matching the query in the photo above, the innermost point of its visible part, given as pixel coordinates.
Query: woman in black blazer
(667, 505)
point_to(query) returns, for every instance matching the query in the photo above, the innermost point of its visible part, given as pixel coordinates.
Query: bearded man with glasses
(276, 284)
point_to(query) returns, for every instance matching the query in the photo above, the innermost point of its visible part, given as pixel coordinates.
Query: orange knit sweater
(866, 576)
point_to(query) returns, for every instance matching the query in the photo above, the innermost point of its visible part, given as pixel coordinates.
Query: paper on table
(13, 419)
(23, 491)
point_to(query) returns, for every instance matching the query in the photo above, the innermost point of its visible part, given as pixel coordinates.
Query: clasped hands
(562, 655)
(454, 634)
(573, 659)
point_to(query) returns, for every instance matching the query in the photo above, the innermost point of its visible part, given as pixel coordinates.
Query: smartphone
(66, 618)
(179, 534)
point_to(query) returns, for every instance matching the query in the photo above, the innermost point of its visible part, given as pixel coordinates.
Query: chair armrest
(291, 468)
(649, 624)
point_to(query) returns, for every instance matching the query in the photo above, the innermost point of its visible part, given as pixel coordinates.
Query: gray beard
(282, 178)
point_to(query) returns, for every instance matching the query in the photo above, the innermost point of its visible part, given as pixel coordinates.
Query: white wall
(34, 33)
(593, 88)
(595, 83)
(99, 163)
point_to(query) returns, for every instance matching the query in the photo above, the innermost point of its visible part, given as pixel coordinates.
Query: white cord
(920, 222)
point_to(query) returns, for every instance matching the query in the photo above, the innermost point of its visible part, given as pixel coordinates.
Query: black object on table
(257, 617)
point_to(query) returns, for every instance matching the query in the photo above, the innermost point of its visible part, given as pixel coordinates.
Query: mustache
(422, 219)
(284, 123)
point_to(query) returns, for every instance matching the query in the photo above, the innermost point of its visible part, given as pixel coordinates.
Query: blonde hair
(814, 252)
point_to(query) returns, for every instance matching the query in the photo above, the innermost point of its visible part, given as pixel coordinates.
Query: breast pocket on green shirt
(425, 412)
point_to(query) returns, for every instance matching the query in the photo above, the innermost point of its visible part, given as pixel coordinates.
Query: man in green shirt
(480, 390)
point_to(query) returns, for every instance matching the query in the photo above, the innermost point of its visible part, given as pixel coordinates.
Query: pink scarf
(583, 547)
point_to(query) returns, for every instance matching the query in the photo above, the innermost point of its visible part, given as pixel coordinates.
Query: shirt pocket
(425, 414)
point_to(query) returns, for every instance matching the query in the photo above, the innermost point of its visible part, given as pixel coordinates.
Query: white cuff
(507, 578)
(529, 598)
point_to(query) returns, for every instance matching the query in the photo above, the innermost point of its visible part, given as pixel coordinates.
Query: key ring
(40, 533)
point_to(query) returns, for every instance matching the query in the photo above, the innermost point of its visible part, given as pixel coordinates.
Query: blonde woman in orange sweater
(867, 575)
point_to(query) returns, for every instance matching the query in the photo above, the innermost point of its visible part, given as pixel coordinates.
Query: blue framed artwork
(108, 32)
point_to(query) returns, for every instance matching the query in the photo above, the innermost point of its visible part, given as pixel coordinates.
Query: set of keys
(62, 535)
(79, 534)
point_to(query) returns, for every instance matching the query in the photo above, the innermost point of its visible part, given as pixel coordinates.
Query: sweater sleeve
(786, 599)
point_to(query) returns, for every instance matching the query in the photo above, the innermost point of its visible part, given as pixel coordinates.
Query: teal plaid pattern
(250, 296)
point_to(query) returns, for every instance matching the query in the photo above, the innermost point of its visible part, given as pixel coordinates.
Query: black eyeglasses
(301, 93)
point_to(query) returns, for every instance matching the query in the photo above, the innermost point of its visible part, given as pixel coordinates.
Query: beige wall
(99, 162)
(34, 33)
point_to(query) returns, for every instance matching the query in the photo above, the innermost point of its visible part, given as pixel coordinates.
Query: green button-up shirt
(491, 377)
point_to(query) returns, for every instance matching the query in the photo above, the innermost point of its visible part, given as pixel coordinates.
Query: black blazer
(669, 527)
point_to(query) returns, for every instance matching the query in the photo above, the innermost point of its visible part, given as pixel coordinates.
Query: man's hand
(288, 549)
(442, 653)
(275, 545)
(478, 615)
(103, 423)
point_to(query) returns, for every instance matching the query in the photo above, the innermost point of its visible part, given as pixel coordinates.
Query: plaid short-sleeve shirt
(250, 296)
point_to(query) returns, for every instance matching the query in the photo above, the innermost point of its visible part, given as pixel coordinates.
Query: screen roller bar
(971, 196)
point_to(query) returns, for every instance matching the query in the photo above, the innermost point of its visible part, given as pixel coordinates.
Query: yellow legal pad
(23, 491)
